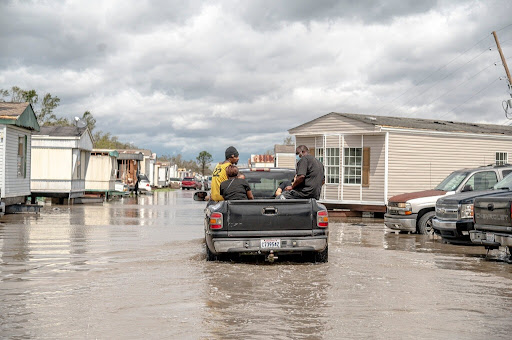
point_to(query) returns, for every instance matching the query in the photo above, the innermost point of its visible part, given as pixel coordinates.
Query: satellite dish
(80, 123)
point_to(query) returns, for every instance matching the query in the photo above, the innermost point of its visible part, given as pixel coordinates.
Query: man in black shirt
(235, 188)
(309, 176)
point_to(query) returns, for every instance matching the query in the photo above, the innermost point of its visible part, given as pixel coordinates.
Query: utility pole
(503, 60)
(506, 104)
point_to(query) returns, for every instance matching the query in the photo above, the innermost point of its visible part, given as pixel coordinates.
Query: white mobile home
(60, 155)
(17, 122)
(101, 173)
(368, 159)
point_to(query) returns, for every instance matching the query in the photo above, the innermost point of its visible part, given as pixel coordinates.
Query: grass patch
(163, 189)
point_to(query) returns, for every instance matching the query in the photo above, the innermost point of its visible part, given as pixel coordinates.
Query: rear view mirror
(200, 196)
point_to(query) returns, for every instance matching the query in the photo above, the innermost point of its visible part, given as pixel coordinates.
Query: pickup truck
(266, 226)
(454, 213)
(493, 223)
(413, 212)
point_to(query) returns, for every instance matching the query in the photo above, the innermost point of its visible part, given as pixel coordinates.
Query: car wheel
(209, 255)
(323, 256)
(425, 223)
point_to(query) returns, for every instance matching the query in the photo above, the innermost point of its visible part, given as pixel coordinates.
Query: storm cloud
(182, 77)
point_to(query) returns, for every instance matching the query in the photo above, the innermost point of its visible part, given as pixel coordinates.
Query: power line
(449, 74)
(501, 29)
(465, 81)
(472, 96)
(439, 69)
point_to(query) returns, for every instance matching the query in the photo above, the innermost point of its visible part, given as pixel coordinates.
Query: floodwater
(135, 268)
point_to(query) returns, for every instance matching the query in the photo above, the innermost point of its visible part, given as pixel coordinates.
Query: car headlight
(466, 211)
(401, 208)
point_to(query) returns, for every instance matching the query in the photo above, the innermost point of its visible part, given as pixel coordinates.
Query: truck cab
(413, 212)
(266, 226)
(454, 213)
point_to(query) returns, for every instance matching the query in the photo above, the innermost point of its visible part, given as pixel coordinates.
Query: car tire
(323, 256)
(425, 223)
(209, 255)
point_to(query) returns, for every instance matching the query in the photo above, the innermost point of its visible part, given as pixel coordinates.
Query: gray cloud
(184, 77)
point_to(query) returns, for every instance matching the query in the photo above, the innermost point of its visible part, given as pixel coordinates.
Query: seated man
(235, 188)
(309, 176)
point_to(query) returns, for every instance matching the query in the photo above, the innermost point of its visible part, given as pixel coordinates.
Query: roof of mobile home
(19, 114)
(417, 124)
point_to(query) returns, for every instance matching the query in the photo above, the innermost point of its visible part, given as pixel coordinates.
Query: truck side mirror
(467, 187)
(200, 196)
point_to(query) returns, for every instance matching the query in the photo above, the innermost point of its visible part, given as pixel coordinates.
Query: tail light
(322, 219)
(216, 221)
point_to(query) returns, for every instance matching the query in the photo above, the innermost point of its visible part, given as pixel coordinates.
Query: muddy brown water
(135, 268)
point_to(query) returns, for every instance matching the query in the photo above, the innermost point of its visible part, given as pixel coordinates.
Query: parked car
(493, 223)
(454, 213)
(174, 183)
(120, 186)
(266, 226)
(190, 183)
(414, 211)
(144, 184)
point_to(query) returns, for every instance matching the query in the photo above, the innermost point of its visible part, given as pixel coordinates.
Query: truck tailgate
(492, 211)
(270, 214)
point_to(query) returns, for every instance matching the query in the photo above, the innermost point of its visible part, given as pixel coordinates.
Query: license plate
(273, 243)
(489, 237)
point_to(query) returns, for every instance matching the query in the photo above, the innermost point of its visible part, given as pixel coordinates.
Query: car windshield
(452, 182)
(505, 183)
(265, 183)
(143, 178)
(188, 179)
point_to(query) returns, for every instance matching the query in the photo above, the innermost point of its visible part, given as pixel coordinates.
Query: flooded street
(135, 268)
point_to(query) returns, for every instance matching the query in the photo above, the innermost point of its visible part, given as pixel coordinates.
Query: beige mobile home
(17, 122)
(101, 173)
(368, 158)
(60, 155)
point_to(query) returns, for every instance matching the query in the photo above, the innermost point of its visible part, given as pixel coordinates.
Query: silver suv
(414, 211)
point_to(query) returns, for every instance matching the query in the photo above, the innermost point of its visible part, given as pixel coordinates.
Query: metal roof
(423, 124)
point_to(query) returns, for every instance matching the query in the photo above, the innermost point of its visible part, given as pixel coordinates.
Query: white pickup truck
(413, 212)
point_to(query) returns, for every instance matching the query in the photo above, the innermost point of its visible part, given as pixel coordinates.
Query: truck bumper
(402, 223)
(491, 239)
(253, 245)
(453, 231)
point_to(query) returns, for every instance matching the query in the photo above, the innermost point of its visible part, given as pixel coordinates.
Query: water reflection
(266, 301)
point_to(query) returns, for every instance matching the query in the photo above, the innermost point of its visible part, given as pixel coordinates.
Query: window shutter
(366, 167)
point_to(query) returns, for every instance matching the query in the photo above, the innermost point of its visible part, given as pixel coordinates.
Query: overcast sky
(186, 76)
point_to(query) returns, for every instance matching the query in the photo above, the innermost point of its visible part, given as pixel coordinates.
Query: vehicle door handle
(270, 211)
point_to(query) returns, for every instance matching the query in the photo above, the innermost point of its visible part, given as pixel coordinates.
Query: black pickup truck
(454, 213)
(493, 223)
(266, 226)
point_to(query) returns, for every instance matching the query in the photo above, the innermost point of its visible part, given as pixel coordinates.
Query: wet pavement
(135, 268)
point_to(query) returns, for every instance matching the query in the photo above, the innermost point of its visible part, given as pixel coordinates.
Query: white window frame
(332, 166)
(501, 158)
(357, 165)
(319, 154)
(21, 157)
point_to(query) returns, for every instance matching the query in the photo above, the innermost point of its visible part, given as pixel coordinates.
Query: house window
(319, 154)
(22, 156)
(501, 158)
(332, 165)
(352, 165)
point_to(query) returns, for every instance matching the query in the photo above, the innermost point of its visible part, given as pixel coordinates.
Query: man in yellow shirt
(219, 174)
